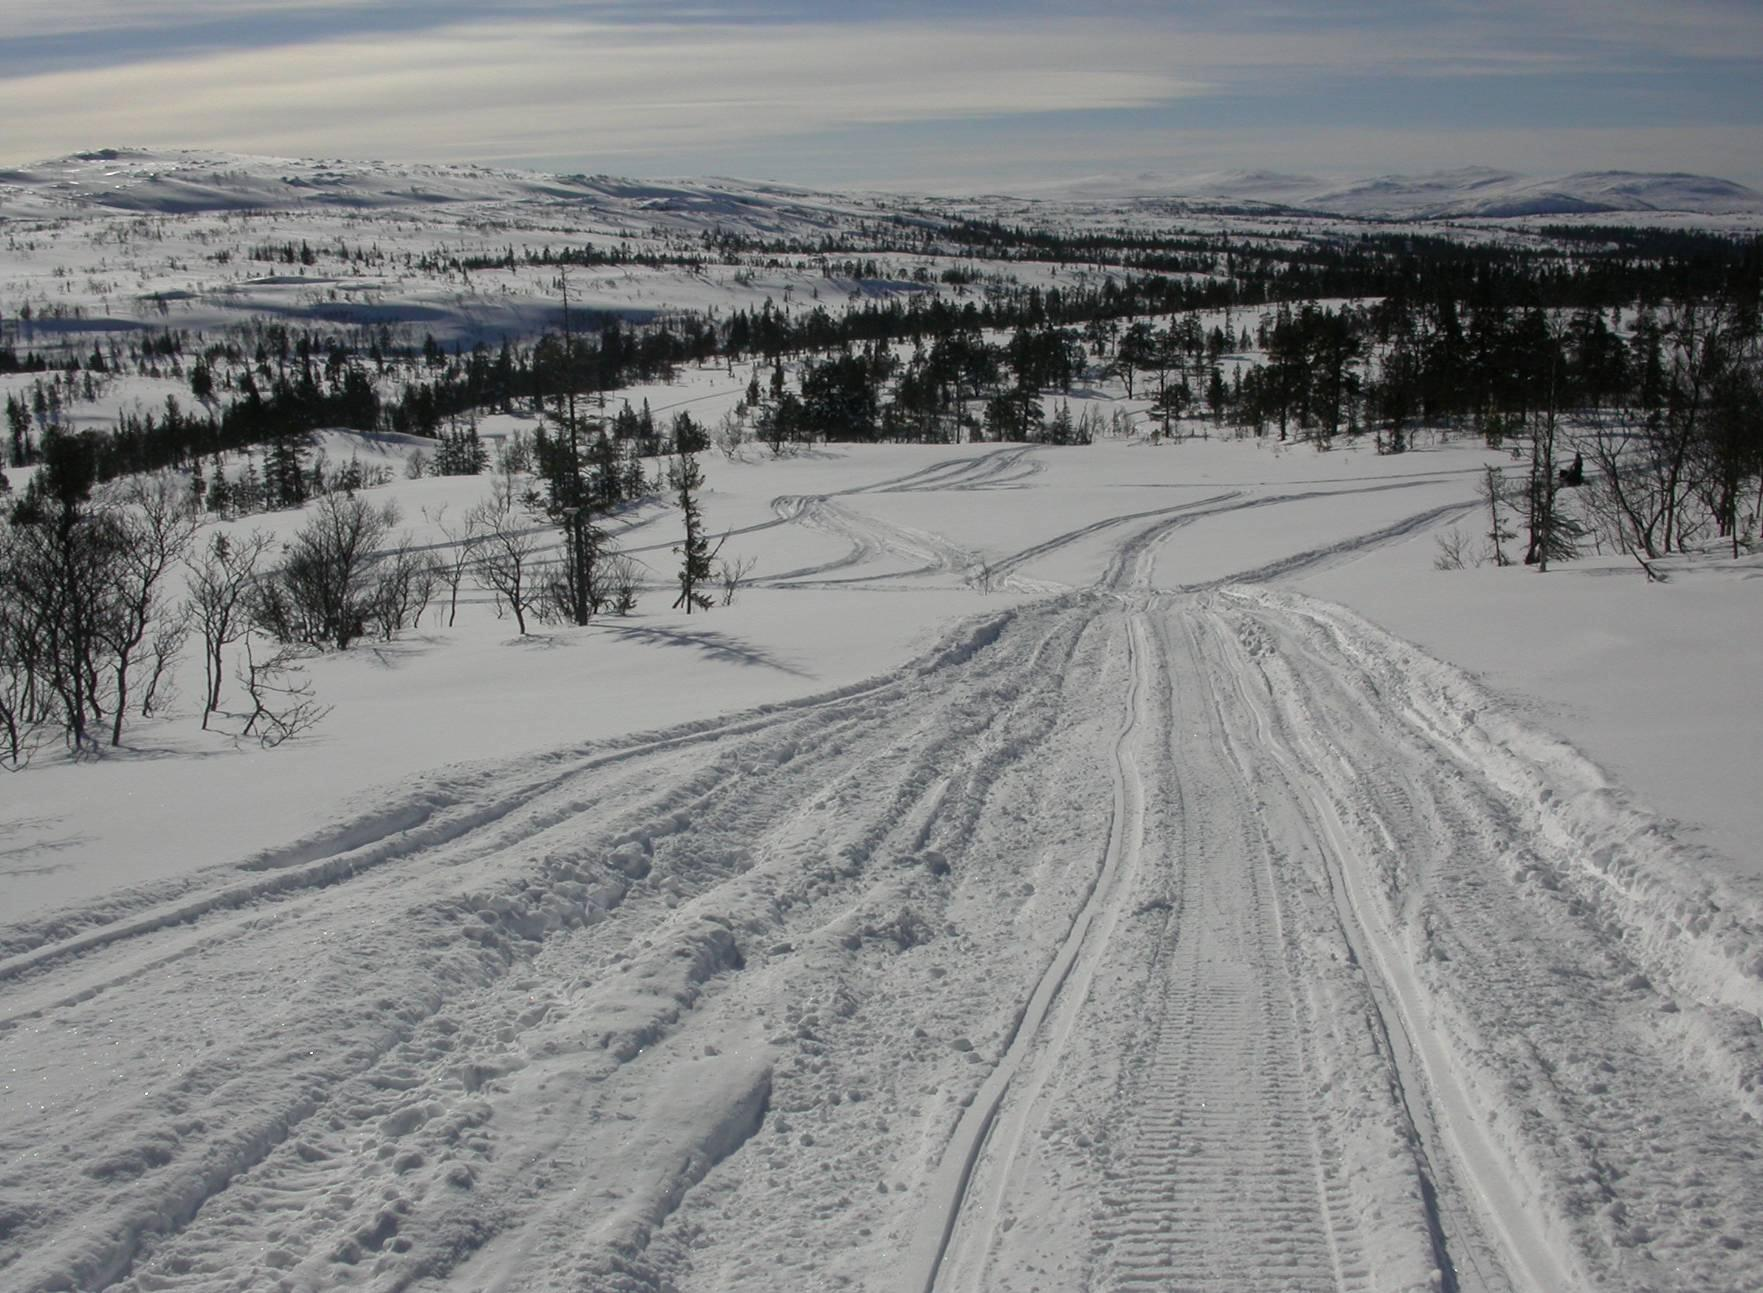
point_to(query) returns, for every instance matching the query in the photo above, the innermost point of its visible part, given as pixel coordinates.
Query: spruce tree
(687, 480)
(569, 496)
(284, 474)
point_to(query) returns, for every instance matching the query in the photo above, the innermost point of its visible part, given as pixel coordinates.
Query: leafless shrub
(404, 584)
(508, 552)
(221, 585)
(327, 589)
(622, 582)
(1454, 550)
(732, 576)
(283, 705)
(463, 540)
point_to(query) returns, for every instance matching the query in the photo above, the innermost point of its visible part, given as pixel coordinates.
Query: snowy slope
(1140, 920)
(181, 181)
(171, 182)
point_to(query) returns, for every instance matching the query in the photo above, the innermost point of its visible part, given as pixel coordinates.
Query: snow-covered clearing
(1059, 869)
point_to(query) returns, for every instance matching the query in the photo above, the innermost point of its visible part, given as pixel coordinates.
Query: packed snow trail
(1134, 938)
(1223, 1166)
(1394, 1024)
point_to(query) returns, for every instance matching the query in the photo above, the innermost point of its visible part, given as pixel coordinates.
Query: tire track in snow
(947, 1254)
(462, 802)
(870, 537)
(1221, 1182)
(1333, 554)
(1131, 564)
(997, 469)
(1226, 1171)
(934, 777)
(1256, 748)
(1414, 958)
(1005, 567)
(1539, 1029)
(573, 868)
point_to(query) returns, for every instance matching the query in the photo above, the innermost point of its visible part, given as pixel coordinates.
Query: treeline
(1450, 332)
(1557, 267)
(586, 256)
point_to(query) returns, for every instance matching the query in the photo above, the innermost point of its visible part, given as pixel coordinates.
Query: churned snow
(1058, 868)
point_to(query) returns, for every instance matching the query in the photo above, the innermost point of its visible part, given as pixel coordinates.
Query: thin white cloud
(603, 92)
(1640, 31)
(38, 19)
(483, 90)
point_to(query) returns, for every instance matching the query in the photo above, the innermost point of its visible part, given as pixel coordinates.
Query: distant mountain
(1475, 191)
(1478, 192)
(169, 182)
(1261, 187)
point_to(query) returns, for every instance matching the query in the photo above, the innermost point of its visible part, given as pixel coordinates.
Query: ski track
(1199, 938)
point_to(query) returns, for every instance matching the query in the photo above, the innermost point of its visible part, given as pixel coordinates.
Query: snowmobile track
(1221, 1183)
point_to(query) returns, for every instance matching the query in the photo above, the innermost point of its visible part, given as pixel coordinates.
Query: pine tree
(696, 554)
(1553, 536)
(284, 476)
(1062, 431)
(460, 451)
(636, 481)
(569, 494)
(18, 422)
(220, 493)
(608, 479)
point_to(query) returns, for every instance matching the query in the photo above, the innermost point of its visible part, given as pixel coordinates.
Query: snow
(835, 917)
(1126, 865)
(1470, 191)
(1590, 652)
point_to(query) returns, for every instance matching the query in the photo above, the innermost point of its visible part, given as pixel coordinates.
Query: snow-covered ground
(1110, 867)
(1120, 866)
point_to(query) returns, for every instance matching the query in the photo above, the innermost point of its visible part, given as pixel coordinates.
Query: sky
(904, 94)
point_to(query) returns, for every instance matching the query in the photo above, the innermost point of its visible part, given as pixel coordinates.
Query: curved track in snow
(1137, 938)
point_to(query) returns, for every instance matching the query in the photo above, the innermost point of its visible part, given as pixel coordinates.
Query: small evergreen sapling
(696, 553)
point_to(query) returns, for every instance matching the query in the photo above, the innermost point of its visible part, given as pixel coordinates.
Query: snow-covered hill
(1474, 191)
(1126, 865)
(183, 181)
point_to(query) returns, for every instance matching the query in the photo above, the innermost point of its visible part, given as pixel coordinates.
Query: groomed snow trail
(1222, 1164)
(1136, 938)
(1405, 1022)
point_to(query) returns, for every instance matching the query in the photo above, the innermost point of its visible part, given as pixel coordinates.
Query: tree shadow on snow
(708, 642)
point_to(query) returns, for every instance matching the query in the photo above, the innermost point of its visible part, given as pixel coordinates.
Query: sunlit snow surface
(556, 955)
(1113, 867)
